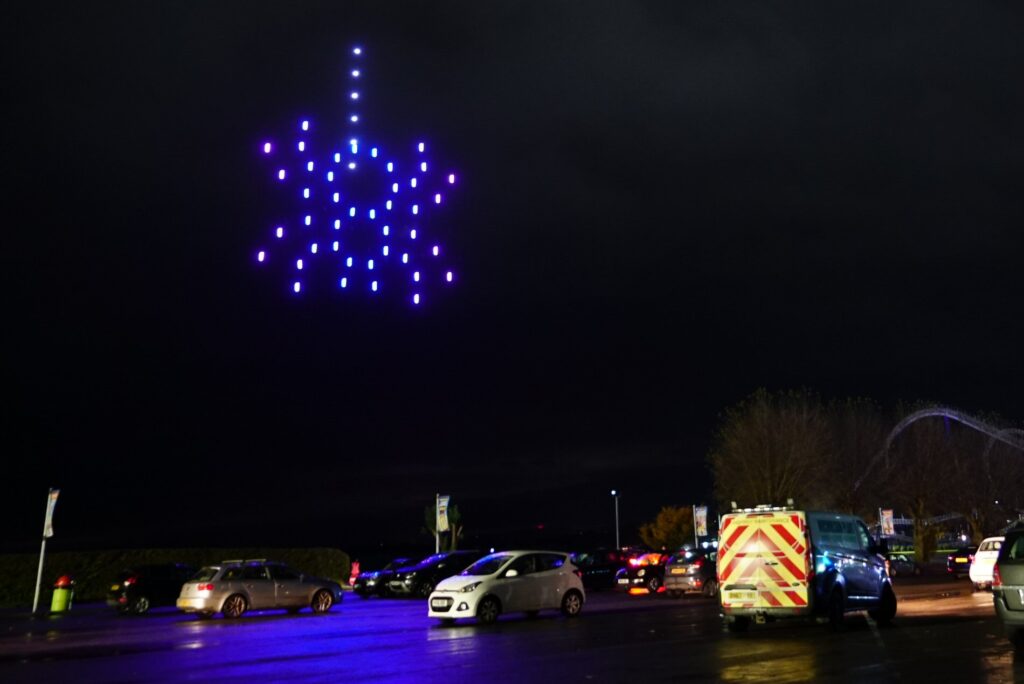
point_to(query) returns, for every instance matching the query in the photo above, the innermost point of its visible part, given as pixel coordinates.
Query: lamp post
(615, 495)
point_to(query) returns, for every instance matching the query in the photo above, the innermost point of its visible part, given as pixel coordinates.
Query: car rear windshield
(488, 565)
(1016, 550)
(205, 575)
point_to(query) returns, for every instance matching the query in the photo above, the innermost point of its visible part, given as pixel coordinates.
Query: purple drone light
(407, 257)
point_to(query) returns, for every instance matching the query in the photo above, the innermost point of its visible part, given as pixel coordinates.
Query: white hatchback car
(508, 582)
(984, 559)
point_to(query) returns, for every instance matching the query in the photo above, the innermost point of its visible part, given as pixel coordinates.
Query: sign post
(700, 524)
(51, 503)
(440, 519)
(885, 519)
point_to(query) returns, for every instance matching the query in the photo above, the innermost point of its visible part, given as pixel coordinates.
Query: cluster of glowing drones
(356, 212)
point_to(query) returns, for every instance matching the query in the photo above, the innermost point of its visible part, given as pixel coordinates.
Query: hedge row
(94, 570)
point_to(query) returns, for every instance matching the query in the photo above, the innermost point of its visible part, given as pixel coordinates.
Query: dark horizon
(660, 209)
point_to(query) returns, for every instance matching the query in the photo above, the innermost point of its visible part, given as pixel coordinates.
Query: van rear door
(763, 561)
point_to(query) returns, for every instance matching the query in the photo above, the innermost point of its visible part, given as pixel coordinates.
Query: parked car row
(231, 588)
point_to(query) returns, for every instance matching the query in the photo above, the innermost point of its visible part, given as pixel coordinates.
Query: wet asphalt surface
(943, 632)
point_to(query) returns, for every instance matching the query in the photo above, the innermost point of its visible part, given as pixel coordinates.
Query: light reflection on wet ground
(616, 639)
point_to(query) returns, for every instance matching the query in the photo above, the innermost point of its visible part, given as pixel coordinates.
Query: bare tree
(774, 447)
(922, 478)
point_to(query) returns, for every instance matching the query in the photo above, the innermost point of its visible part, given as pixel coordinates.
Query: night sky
(661, 207)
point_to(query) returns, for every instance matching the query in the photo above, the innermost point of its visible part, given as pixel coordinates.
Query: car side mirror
(512, 573)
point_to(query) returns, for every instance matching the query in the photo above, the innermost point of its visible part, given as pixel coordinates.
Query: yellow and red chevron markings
(767, 551)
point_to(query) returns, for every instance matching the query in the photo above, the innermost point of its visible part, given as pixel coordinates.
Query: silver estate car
(236, 586)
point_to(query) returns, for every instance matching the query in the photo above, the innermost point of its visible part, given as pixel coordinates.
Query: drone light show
(354, 216)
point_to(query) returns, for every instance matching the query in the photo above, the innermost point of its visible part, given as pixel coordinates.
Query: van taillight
(204, 587)
(129, 581)
(997, 581)
(578, 572)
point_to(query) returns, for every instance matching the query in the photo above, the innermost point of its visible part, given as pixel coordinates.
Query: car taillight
(130, 581)
(204, 587)
(578, 573)
(971, 558)
(997, 580)
(698, 563)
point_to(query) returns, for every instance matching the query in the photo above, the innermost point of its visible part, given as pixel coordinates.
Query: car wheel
(140, 605)
(322, 601)
(488, 610)
(234, 606)
(572, 603)
(423, 589)
(653, 584)
(836, 611)
(886, 610)
(711, 588)
(739, 624)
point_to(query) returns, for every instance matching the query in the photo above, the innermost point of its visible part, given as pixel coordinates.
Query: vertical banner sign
(700, 520)
(51, 503)
(442, 513)
(887, 526)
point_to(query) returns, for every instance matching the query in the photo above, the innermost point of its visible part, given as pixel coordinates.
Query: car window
(254, 572)
(205, 574)
(583, 560)
(488, 565)
(283, 572)
(525, 565)
(841, 534)
(1016, 551)
(549, 561)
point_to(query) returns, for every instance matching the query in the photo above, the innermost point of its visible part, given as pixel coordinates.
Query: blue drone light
(396, 261)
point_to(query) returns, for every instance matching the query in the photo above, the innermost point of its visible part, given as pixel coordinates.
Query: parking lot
(943, 632)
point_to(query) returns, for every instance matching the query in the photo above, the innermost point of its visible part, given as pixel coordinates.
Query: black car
(138, 589)
(643, 575)
(598, 568)
(692, 572)
(420, 579)
(375, 582)
(959, 562)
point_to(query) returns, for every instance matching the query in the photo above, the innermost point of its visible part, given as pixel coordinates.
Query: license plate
(623, 581)
(742, 595)
(678, 571)
(439, 603)
(961, 560)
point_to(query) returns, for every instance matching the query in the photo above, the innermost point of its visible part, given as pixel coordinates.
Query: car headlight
(471, 587)
(641, 573)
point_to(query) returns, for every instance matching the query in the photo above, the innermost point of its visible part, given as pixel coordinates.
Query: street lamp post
(615, 495)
